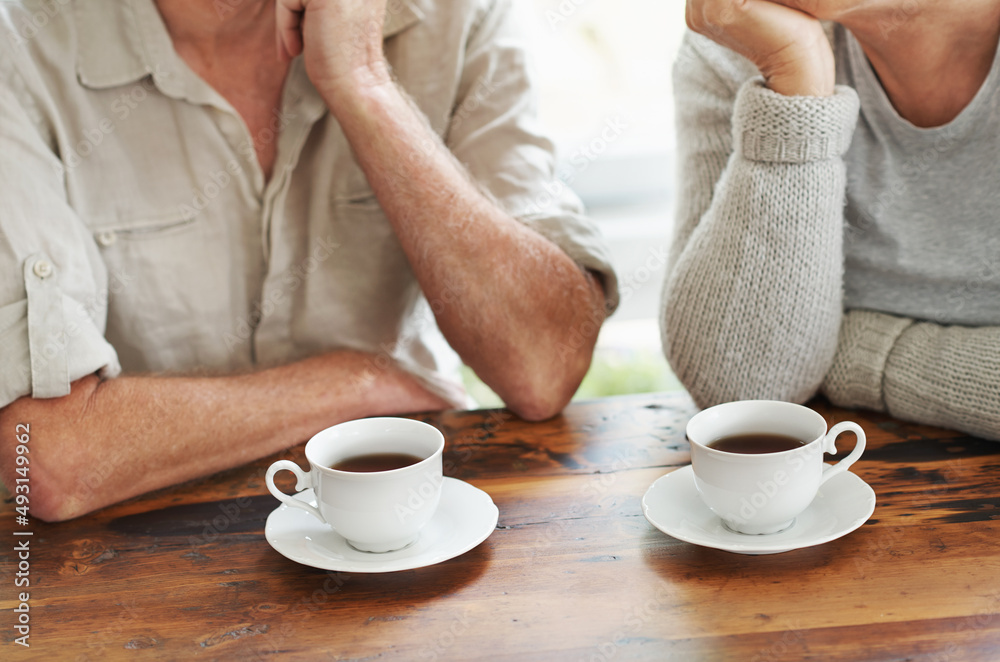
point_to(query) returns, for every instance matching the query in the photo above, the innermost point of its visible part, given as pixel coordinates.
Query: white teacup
(763, 493)
(378, 511)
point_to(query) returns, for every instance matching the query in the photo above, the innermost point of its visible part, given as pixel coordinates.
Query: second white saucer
(672, 504)
(465, 517)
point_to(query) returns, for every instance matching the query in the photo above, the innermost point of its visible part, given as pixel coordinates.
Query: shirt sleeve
(495, 133)
(54, 290)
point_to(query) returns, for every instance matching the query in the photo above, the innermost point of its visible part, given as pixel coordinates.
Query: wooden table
(572, 572)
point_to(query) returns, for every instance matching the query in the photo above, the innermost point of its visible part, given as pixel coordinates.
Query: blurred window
(604, 68)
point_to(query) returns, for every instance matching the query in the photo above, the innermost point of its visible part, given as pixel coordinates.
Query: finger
(289, 27)
(723, 21)
(745, 26)
(811, 7)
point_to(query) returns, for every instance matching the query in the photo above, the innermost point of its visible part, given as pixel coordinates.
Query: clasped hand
(341, 41)
(784, 38)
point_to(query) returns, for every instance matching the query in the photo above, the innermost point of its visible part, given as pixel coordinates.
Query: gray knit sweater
(827, 243)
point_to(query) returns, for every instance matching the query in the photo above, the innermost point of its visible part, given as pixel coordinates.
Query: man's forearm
(517, 309)
(111, 440)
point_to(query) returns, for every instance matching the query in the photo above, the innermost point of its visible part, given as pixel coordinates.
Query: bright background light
(601, 60)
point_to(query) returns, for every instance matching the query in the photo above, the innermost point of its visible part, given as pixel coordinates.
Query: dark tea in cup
(372, 462)
(756, 443)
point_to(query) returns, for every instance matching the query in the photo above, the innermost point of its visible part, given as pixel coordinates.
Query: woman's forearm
(752, 300)
(948, 376)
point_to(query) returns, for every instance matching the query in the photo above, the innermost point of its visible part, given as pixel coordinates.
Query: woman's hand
(782, 37)
(341, 41)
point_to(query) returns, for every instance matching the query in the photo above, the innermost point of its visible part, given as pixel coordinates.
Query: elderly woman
(838, 227)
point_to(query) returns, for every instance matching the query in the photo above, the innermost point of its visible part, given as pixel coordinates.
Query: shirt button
(229, 125)
(43, 269)
(106, 238)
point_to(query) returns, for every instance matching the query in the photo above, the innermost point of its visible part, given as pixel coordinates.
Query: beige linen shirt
(138, 233)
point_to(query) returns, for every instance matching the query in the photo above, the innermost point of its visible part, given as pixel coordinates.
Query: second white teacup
(374, 510)
(762, 493)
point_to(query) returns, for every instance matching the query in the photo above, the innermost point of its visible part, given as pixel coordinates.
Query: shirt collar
(126, 40)
(109, 50)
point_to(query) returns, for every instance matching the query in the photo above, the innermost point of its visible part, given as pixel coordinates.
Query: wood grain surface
(572, 572)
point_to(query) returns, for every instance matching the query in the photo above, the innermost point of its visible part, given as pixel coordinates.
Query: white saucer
(672, 504)
(465, 518)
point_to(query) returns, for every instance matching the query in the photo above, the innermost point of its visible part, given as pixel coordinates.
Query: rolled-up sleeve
(54, 290)
(494, 132)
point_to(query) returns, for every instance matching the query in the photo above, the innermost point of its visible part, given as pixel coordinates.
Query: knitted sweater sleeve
(947, 376)
(752, 300)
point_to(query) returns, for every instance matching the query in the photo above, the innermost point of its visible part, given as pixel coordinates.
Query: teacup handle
(303, 481)
(830, 446)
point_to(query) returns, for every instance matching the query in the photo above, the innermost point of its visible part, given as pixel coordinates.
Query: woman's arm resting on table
(752, 298)
(110, 440)
(947, 376)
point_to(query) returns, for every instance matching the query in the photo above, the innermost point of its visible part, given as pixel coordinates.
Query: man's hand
(341, 41)
(782, 37)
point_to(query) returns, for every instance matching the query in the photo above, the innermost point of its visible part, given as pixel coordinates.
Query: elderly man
(227, 225)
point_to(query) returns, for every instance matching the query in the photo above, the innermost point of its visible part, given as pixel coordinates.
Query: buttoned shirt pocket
(169, 289)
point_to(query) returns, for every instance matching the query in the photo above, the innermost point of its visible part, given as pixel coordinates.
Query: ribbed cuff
(768, 126)
(866, 339)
